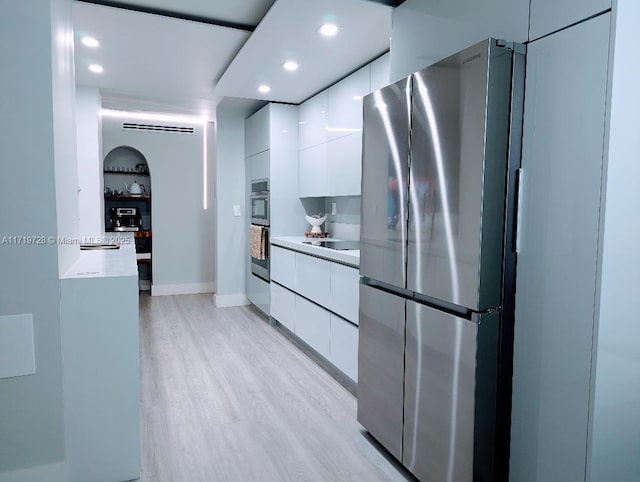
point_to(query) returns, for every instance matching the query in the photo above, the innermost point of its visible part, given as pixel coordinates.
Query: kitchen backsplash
(345, 224)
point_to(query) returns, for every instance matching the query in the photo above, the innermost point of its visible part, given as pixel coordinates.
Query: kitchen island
(101, 362)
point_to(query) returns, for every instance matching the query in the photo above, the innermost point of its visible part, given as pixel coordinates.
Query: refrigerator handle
(519, 196)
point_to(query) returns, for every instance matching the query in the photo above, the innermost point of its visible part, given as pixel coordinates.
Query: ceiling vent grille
(132, 126)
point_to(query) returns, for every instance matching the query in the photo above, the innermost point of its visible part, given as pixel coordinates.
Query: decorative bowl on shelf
(316, 222)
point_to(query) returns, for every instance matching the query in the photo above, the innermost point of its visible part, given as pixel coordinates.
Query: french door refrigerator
(441, 149)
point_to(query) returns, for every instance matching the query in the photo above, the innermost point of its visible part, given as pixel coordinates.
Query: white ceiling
(248, 12)
(152, 58)
(289, 31)
(164, 64)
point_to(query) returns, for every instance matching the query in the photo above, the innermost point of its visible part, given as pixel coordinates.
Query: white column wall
(90, 183)
(231, 246)
(615, 435)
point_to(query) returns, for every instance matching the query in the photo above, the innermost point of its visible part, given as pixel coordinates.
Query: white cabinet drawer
(344, 346)
(313, 171)
(283, 266)
(283, 306)
(313, 278)
(345, 292)
(313, 326)
(344, 165)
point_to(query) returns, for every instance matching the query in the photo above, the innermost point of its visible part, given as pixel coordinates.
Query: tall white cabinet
(563, 151)
(271, 150)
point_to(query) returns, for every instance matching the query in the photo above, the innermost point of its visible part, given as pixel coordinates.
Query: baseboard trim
(225, 301)
(182, 289)
(42, 473)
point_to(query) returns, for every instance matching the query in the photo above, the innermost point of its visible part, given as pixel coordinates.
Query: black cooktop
(339, 245)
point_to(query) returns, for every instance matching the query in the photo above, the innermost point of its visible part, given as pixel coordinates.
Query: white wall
(231, 245)
(89, 135)
(426, 31)
(64, 131)
(31, 407)
(182, 252)
(616, 409)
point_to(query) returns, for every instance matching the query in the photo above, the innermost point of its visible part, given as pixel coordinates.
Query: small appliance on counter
(125, 219)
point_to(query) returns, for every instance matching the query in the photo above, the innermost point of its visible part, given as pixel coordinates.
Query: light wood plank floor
(226, 397)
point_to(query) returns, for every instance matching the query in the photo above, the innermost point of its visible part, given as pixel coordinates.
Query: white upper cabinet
(313, 180)
(550, 15)
(344, 165)
(259, 165)
(380, 73)
(344, 113)
(256, 132)
(312, 119)
(330, 133)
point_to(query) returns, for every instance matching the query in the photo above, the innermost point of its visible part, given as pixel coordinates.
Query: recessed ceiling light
(328, 29)
(264, 89)
(96, 69)
(90, 42)
(357, 97)
(290, 65)
(302, 122)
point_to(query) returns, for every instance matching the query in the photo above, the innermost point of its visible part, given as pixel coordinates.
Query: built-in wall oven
(259, 228)
(260, 202)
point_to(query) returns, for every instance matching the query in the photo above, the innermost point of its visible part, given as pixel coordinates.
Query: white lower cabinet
(345, 292)
(313, 326)
(344, 346)
(283, 266)
(313, 278)
(317, 300)
(258, 292)
(283, 306)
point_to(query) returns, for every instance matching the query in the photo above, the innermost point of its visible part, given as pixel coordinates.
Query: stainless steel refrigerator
(441, 149)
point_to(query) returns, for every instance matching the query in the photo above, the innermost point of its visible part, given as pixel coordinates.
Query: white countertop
(106, 262)
(350, 257)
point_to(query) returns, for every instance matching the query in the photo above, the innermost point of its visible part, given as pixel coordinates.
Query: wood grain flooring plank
(226, 397)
